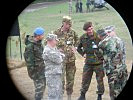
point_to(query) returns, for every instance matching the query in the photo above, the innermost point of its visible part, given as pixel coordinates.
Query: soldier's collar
(87, 36)
(107, 36)
(63, 31)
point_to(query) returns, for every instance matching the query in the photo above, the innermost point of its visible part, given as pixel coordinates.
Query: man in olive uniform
(88, 48)
(68, 40)
(34, 61)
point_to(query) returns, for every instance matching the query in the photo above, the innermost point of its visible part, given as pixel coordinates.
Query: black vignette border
(124, 8)
(9, 9)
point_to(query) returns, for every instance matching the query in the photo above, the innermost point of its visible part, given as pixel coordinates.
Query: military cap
(87, 25)
(109, 28)
(101, 32)
(39, 31)
(51, 36)
(67, 19)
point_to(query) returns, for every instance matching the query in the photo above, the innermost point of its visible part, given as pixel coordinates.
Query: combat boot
(99, 97)
(68, 97)
(82, 97)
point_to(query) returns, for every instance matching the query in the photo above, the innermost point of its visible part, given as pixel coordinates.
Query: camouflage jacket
(33, 57)
(113, 49)
(85, 47)
(53, 61)
(67, 40)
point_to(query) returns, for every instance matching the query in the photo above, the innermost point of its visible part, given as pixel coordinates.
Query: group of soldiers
(103, 51)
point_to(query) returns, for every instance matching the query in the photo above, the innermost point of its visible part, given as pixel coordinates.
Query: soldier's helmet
(109, 29)
(51, 36)
(67, 19)
(87, 25)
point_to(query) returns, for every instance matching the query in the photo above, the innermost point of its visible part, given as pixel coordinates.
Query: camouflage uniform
(68, 40)
(92, 63)
(35, 65)
(53, 70)
(114, 62)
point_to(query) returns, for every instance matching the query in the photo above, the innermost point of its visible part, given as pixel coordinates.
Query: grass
(50, 18)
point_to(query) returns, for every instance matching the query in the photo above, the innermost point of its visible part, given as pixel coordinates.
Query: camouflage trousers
(40, 85)
(69, 70)
(116, 81)
(87, 76)
(55, 91)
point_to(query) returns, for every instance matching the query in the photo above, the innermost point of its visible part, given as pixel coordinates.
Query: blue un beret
(39, 31)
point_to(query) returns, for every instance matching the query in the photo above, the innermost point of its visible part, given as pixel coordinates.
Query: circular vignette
(59, 21)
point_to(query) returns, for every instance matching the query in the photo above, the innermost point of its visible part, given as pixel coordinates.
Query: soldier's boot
(99, 97)
(82, 97)
(68, 97)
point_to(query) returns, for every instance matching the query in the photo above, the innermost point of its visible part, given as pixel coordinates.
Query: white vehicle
(99, 4)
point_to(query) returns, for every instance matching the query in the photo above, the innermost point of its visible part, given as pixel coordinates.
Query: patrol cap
(101, 32)
(67, 19)
(87, 25)
(39, 31)
(51, 36)
(109, 28)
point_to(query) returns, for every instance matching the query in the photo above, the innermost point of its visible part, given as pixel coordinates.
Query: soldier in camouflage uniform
(34, 61)
(68, 40)
(53, 59)
(77, 6)
(114, 62)
(88, 48)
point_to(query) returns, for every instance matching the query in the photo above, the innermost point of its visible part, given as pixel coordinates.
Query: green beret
(101, 32)
(87, 25)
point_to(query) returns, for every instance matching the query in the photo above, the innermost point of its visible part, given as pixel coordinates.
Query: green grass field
(50, 18)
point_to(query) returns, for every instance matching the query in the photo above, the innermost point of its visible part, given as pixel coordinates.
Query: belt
(93, 64)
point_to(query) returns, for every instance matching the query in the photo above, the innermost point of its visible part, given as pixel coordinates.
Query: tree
(70, 7)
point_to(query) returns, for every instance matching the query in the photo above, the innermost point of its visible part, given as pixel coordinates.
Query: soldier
(88, 3)
(77, 6)
(68, 40)
(34, 61)
(114, 61)
(80, 6)
(53, 59)
(87, 48)
(110, 30)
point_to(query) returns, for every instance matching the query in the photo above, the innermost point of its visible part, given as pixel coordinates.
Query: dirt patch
(14, 64)
(26, 87)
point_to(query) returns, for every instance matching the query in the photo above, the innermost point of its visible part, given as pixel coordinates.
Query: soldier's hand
(61, 50)
(73, 49)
